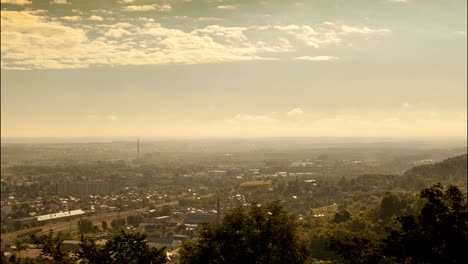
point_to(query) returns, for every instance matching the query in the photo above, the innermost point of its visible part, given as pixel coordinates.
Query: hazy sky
(240, 68)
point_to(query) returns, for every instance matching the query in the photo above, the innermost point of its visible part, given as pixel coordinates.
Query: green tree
(52, 246)
(341, 216)
(438, 233)
(20, 245)
(116, 223)
(134, 220)
(390, 206)
(357, 248)
(261, 235)
(122, 248)
(4, 260)
(85, 226)
(104, 225)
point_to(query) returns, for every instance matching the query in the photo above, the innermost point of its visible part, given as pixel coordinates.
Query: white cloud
(227, 33)
(71, 18)
(227, 7)
(137, 8)
(141, 8)
(116, 33)
(77, 11)
(127, 1)
(323, 34)
(111, 117)
(208, 19)
(305, 33)
(17, 2)
(317, 58)
(117, 25)
(146, 19)
(95, 18)
(362, 30)
(61, 2)
(32, 40)
(164, 8)
(295, 112)
(243, 118)
(103, 11)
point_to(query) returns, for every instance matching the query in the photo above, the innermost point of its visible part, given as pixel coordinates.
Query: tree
(134, 220)
(52, 246)
(357, 248)
(438, 233)
(341, 216)
(390, 206)
(104, 225)
(20, 245)
(85, 226)
(261, 235)
(4, 259)
(116, 223)
(122, 248)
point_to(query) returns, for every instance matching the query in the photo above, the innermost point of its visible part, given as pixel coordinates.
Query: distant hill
(455, 168)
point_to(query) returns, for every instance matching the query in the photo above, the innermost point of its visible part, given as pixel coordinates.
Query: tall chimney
(217, 210)
(138, 148)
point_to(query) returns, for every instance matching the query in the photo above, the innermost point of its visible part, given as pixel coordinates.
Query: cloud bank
(32, 40)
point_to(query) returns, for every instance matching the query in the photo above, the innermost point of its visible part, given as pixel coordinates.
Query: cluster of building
(87, 188)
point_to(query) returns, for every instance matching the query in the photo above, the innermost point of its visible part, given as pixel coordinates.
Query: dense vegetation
(122, 248)
(264, 234)
(419, 216)
(435, 233)
(452, 168)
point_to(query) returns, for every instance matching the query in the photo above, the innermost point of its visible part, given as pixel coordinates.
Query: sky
(234, 68)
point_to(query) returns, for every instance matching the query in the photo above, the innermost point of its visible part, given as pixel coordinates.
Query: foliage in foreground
(438, 233)
(52, 247)
(261, 235)
(122, 248)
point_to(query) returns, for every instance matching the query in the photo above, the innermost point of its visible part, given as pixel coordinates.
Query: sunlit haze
(239, 68)
(233, 131)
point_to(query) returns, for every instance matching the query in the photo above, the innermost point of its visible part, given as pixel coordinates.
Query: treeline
(125, 248)
(452, 168)
(435, 233)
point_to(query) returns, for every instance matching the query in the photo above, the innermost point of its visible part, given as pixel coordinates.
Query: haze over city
(233, 131)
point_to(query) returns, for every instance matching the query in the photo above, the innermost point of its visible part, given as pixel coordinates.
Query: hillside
(454, 168)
